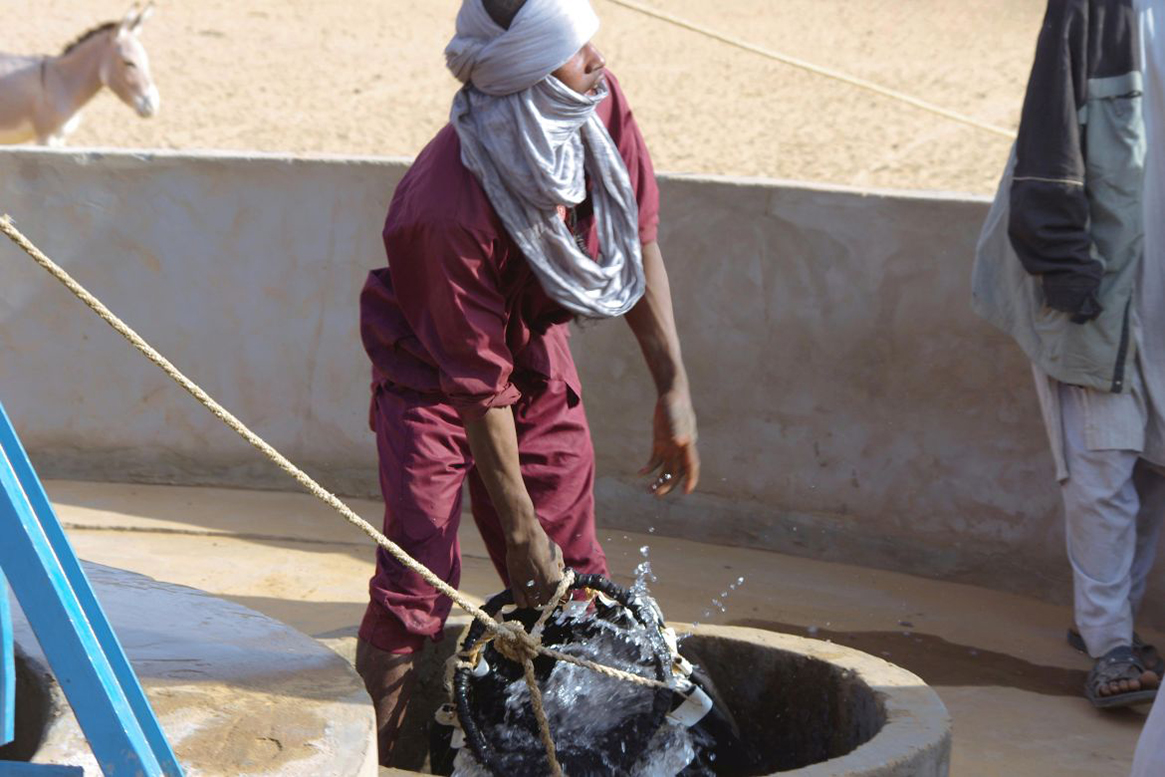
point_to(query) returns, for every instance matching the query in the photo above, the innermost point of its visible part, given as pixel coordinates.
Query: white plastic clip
(605, 600)
(680, 665)
(692, 711)
(446, 715)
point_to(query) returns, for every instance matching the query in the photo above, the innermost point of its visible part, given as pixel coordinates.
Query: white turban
(543, 36)
(531, 141)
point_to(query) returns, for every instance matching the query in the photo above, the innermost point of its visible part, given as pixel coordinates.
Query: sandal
(1121, 663)
(1149, 655)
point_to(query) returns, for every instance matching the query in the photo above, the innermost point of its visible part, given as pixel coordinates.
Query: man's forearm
(493, 440)
(653, 323)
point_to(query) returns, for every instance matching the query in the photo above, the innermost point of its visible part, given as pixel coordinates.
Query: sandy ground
(368, 78)
(998, 661)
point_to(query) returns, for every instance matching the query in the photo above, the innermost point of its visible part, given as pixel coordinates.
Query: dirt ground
(367, 77)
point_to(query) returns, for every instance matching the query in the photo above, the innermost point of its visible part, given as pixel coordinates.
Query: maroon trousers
(424, 460)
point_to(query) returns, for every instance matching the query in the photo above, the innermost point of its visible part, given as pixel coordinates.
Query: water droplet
(529, 583)
(644, 551)
(651, 530)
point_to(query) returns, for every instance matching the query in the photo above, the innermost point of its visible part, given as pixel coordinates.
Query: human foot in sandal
(1149, 655)
(1119, 678)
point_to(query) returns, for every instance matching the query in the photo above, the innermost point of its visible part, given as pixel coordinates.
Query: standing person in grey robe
(1062, 268)
(1150, 754)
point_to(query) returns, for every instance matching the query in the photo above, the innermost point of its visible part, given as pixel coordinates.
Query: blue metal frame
(7, 668)
(76, 637)
(12, 769)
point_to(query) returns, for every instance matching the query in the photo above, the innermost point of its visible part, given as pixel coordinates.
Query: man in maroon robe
(472, 373)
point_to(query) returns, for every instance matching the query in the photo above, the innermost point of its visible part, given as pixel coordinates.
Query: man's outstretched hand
(673, 445)
(535, 567)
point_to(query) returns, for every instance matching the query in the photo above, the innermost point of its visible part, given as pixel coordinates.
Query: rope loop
(515, 644)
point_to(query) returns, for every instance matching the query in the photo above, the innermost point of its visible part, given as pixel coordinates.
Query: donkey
(41, 97)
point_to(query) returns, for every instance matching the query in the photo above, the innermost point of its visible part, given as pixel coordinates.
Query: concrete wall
(851, 405)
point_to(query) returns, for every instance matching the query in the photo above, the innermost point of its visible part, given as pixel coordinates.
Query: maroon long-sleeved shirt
(458, 310)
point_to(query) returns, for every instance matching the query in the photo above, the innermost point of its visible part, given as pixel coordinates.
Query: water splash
(718, 603)
(585, 708)
(643, 574)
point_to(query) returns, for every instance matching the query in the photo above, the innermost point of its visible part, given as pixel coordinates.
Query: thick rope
(512, 636)
(540, 716)
(517, 654)
(556, 601)
(9, 229)
(836, 75)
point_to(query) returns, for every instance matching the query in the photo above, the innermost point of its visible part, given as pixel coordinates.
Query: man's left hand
(673, 447)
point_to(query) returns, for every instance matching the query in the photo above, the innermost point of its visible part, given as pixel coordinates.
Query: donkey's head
(126, 67)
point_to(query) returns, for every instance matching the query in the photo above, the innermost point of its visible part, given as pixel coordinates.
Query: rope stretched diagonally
(515, 640)
(836, 75)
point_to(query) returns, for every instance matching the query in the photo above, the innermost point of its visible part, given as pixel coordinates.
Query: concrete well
(36, 706)
(807, 708)
(236, 692)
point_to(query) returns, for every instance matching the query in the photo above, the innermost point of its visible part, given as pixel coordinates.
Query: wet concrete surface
(236, 692)
(943, 662)
(999, 661)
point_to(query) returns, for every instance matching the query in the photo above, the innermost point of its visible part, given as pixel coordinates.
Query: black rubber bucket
(480, 698)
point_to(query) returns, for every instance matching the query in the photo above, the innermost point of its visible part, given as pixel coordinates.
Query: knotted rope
(511, 636)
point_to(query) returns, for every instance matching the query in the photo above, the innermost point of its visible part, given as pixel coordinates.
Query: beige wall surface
(851, 405)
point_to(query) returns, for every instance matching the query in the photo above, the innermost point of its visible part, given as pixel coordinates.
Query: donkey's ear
(145, 14)
(130, 19)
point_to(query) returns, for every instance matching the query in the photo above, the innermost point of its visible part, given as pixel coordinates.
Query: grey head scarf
(530, 140)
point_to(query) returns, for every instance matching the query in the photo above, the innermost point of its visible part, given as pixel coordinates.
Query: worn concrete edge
(62, 728)
(914, 742)
(918, 727)
(105, 153)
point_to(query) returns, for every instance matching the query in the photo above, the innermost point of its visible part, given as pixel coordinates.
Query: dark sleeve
(447, 286)
(1049, 222)
(616, 114)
